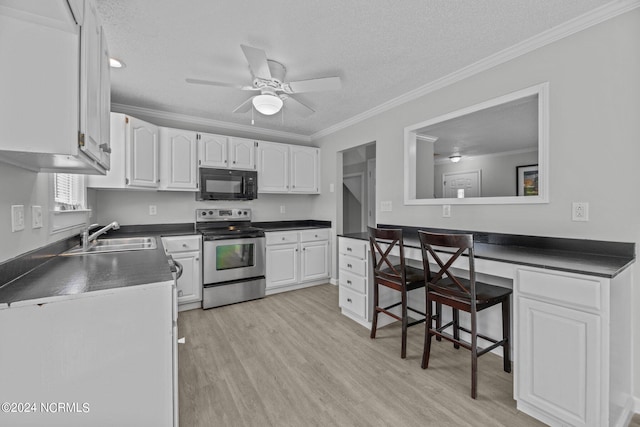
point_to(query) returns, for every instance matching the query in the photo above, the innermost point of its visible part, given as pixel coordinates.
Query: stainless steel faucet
(88, 238)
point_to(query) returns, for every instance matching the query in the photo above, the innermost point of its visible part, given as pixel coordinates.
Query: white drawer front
(356, 248)
(353, 301)
(579, 292)
(353, 265)
(351, 281)
(314, 235)
(278, 237)
(174, 244)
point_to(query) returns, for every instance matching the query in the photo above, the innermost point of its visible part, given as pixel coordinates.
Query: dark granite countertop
(76, 274)
(46, 273)
(590, 257)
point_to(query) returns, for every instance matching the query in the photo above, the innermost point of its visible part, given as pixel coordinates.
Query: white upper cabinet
(305, 169)
(142, 154)
(273, 167)
(56, 79)
(285, 168)
(212, 150)
(218, 151)
(242, 153)
(178, 165)
(135, 155)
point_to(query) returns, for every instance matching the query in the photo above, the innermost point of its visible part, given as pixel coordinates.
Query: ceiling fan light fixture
(267, 104)
(455, 158)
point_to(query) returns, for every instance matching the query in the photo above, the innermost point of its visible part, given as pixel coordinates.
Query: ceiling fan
(268, 79)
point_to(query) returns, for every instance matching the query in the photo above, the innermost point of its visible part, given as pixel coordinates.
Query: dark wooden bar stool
(462, 294)
(395, 275)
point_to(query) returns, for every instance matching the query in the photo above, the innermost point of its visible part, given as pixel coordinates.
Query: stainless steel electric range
(233, 256)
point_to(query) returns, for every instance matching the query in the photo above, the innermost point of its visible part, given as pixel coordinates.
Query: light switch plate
(36, 216)
(17, 218)
(386, 206)
(446, 211)
(153, 210)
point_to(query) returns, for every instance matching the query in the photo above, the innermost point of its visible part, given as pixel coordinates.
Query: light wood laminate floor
(292, 359)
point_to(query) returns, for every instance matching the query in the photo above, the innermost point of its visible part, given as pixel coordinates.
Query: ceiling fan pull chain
(252, 122)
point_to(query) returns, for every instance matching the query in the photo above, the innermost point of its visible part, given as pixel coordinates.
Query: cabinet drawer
(351, 281)
(353, 265)
(314, 235)
(181, 243)
(356, 248)
(353, 301)
(573, 291)
(279, 237)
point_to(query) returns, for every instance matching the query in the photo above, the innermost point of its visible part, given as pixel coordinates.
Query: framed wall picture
(527, 180)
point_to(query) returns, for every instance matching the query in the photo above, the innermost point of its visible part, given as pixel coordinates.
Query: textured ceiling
(381, 49)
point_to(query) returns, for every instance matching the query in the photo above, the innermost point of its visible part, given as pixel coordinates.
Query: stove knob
(203, 213)
(210, 212)
(246, 213)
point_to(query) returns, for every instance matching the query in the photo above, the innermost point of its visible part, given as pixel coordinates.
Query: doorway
(358, 188)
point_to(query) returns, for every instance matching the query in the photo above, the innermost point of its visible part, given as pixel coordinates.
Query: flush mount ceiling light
(116, 63)
(455, 158)
(267, 104)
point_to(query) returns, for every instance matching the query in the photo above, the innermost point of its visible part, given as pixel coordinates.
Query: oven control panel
(226, 214)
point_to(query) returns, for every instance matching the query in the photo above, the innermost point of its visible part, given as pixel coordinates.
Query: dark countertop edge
(291, 225)
(615, 264)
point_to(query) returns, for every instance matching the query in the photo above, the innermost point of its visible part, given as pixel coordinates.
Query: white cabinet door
(105, 101)
(282, 265)
(559, 361)
(304, 169)
(178, 165)
(242, 153)
(212, 150)
(314, 261)
(90, 87)
(273, 167)
(142, 161)
(189, 284)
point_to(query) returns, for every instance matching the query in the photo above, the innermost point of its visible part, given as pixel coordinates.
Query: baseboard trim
(636, 405)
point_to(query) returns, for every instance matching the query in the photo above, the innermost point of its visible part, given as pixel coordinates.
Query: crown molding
(200, 121)
(582, 22)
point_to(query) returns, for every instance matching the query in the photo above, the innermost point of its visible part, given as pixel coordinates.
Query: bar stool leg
(506, 333)
(426, 352)
(405, 322)
(456, 323)
(374, 324)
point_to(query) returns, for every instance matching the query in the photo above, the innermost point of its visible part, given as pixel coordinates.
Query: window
(68, 191)
(67, 198)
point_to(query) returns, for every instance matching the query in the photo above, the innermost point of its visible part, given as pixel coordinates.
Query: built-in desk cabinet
(297, 259)
(571, 334)
(573, 360)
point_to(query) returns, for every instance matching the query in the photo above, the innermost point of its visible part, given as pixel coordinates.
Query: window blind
(67, 190)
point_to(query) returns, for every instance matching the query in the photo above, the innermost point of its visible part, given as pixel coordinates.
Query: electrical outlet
(153, 210)
(580, 211)
(283, 209)
(386, 206)
(17, 218)
(446, 211)
(36, 216)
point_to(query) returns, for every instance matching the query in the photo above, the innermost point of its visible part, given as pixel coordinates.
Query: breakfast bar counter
(572, 316)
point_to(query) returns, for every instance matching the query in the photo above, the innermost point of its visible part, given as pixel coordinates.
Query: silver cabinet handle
(349, 282)
(349, 250)
(349, 300)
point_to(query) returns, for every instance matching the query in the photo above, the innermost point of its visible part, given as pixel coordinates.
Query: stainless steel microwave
(227, 184)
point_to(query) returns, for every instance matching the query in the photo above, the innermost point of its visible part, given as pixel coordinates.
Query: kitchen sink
(115, 245)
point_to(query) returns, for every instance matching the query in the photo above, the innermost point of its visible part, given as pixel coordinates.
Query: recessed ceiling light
(116, 63)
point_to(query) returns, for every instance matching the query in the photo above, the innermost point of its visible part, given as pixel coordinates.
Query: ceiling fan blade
(244, 107)
(257, 60)
(316, 85)
(298, 107)
(220, 84)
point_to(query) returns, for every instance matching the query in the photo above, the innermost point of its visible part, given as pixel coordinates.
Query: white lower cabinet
(566, 345)
(109, 356)
(297, 259)
(186, 250)
(353, 279)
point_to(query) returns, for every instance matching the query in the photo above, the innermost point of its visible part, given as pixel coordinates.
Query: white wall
(130, 207)
(21, 187)
(594, 144)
